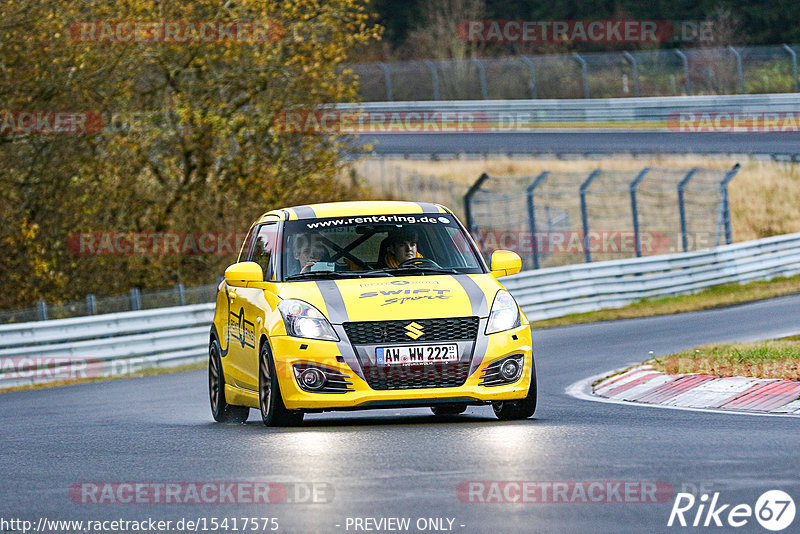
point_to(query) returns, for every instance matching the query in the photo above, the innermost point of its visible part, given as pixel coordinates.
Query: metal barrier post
(687, 82)
(387, 80)
(437, 94)
(41, 310)
(136, 299)
(532, 216)
(794, 67)
(482, 78)
(739, 70)
(91, 304)
(585, 215)
(181, 294)
(635, 211)
(682, 208)
(587, 93)
(471, 226)
(532, 74)
(726, 210)
(637, 89)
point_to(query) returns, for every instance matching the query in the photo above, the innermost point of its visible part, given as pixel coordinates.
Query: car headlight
(504, 314)
(301, 319)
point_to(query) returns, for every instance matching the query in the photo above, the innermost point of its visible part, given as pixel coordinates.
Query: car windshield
(378, 245)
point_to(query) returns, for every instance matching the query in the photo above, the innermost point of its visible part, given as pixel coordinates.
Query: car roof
(354, 209)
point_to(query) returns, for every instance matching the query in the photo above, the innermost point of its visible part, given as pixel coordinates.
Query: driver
(401, 245)
(308, 250)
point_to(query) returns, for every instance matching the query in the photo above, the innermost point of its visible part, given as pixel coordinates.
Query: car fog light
(510, 369)
(312, 378)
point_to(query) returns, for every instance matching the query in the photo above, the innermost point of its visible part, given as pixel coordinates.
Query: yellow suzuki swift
(357, 305)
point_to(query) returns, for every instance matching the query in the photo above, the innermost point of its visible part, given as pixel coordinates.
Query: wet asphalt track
(407, 463)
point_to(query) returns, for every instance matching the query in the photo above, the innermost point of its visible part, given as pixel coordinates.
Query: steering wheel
(419, 262)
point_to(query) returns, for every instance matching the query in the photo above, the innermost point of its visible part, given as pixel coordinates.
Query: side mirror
(240, 273)
(505, 262)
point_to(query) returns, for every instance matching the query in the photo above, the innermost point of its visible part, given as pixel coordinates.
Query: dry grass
(779, 358)
(764, 195)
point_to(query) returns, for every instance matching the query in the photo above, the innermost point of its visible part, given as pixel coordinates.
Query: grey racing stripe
(337, 314)
(427, 207)
(480, 308)
(305, 212)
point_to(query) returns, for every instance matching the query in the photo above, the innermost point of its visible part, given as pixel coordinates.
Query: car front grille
(443, 375)
(375, 332)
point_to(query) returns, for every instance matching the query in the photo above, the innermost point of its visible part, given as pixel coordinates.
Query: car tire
(518, 409)
(449, 409)
(220, 409)
(273, 411)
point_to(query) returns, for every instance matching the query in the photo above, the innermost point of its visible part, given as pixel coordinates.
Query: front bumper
(289, 350)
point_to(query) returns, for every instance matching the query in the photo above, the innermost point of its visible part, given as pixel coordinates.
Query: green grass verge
(714, 297)
(146, 372)
(777, 358)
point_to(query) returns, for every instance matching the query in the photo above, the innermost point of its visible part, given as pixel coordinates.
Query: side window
(266, 237)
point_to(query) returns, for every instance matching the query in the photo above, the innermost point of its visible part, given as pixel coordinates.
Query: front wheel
(518, 409)
(273, 411)
(220, 409)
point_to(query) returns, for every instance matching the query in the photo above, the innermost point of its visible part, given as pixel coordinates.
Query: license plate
(416, 354)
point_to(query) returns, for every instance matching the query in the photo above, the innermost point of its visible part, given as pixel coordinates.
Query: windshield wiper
(335, 274)
(422, 269)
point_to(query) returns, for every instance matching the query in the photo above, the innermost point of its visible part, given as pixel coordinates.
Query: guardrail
(516, 115)
(123, 343)
(557, 291)
(103, 345)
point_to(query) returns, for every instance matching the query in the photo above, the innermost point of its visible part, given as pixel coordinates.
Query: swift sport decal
(399, 296)
(241, 329)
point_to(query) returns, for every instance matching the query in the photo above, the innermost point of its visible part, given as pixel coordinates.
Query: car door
(248, 307)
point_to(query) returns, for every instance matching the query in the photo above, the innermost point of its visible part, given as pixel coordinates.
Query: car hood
(393, 298)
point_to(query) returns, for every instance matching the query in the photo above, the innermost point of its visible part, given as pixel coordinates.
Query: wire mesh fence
(673, 72)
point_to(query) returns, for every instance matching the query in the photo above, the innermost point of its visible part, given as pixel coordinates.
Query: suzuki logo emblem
(414, 330)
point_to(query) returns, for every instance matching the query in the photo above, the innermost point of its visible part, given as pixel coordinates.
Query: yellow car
(357, 305)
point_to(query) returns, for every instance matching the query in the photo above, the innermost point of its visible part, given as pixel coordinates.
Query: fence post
(437, 94)
(468, 201)
(387, 80)
(587, 93)
(136, 299)
(91, 304)
(181, 294)
(41, 310)
(585, 214)
(682, 208)
(532, 74)
(726, 210)
(635, 211)
(482, 78)
(687, 82)
(794, 67)
(739, 70)
(532, 216)
(637, 89)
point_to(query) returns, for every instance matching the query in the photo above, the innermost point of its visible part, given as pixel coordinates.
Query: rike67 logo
(774, 510)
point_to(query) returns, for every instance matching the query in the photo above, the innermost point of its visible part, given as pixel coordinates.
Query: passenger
(308, 250)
